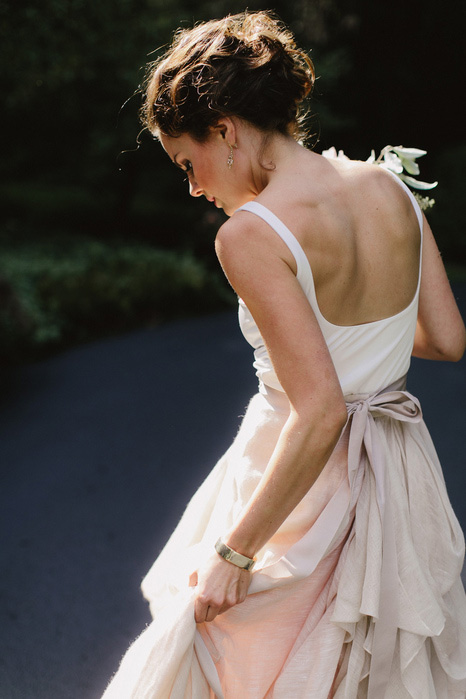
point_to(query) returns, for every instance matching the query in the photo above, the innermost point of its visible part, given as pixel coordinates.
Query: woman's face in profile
(205, 164)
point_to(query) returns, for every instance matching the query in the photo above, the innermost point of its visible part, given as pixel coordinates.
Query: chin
(228, 210)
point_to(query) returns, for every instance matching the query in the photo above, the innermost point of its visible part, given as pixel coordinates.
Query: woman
(321, 557)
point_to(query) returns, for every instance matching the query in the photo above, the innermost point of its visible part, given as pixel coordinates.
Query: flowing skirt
(358, 594)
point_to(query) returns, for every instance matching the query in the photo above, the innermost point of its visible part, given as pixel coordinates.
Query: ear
(226, 129)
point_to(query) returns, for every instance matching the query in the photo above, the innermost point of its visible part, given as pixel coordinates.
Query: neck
(273, 154)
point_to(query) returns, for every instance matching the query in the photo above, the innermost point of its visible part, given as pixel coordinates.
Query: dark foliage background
(72, 171)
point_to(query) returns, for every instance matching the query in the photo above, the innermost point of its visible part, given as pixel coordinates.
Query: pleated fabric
(357, 595)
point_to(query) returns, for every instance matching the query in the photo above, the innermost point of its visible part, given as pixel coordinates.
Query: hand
(220, 585)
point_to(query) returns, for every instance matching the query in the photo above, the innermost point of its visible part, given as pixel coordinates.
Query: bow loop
(400, 405)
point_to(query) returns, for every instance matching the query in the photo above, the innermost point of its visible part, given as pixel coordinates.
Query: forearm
(300, 455)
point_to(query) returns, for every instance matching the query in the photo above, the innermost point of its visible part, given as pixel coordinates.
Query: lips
(213, 201)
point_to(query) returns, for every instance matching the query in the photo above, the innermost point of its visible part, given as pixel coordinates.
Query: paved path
(100, 449)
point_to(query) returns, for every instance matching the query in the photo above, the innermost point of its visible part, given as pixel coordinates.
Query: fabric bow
(364, 442)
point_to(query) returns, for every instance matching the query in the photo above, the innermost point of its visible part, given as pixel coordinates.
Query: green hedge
(55, 294)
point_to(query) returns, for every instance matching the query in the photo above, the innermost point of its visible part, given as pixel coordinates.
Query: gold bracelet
(233, 556)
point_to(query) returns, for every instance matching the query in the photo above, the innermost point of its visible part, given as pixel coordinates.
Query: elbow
(454, 351)
(461, 348)
(317, 433)
(442, 349)
(329, 419)
(443, 354)
(340, 419)
(334, 420)
(456, 356)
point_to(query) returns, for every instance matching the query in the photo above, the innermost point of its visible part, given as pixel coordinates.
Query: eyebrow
(176, 162)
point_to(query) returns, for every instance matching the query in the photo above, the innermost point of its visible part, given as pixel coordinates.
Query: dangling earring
(230, 160)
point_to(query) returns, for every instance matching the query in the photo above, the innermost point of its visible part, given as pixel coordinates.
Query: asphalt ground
(100, 449)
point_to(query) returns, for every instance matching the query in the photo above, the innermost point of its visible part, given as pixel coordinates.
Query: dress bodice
(366, 357)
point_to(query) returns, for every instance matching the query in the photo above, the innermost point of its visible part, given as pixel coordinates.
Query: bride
(321, 557)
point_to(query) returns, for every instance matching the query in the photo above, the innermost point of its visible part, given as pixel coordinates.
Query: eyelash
(187, 168)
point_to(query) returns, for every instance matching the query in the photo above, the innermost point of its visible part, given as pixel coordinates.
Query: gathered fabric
(358, 593)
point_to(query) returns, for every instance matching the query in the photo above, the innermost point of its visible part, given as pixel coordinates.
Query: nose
(194, 189)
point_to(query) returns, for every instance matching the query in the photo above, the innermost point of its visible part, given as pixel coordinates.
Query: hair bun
(245, 65)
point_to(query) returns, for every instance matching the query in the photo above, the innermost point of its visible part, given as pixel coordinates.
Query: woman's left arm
(260, 269)
(440, 332)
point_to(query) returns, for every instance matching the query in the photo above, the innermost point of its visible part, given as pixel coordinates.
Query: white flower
(397, 159)
(332, 153)
(408, 157)
(392, 162)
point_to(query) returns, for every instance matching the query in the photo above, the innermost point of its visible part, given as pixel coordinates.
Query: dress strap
(420, 219)
(283, 231)
(414, 201)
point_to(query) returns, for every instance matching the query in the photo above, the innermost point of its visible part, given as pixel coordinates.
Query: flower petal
(410, 166)
(330, 152)
(393, 162)
(417, 184)
(411, 153)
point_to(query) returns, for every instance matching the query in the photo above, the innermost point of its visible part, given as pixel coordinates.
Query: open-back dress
(358, 593)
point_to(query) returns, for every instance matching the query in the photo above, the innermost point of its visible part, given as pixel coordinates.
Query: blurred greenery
(74, 167)
(57, 292)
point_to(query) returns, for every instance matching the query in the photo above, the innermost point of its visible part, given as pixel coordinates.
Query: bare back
(360, 233)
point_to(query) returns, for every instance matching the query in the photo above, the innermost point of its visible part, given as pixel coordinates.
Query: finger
(193, 579)
(211, 613)
(228, 604)
(199, 613)
(203, 613)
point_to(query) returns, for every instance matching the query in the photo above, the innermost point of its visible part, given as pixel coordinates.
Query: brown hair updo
(245, 65)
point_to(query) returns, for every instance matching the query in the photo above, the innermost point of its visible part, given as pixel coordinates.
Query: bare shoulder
(235, 241)
(380, 198)
(246, 241)
(233, 232)
(374, 179)
(387, 184)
